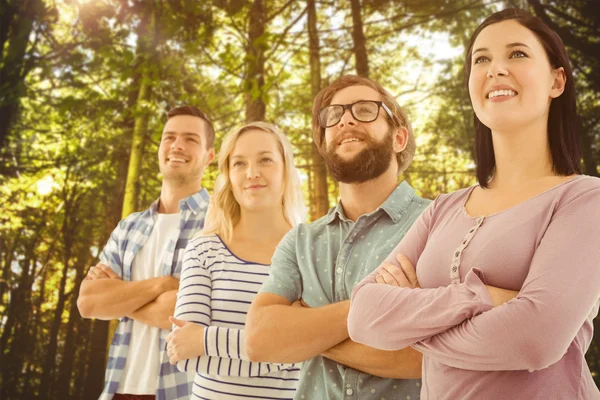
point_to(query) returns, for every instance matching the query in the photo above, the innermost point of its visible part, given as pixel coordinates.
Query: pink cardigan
(533, 347)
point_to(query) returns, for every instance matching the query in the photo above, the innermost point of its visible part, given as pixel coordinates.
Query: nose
(347, 119)
(177, 143)
(252, 171)
(496, 68)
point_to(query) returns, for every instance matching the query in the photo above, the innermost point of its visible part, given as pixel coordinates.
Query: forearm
(285, 334)
(392, 318)
(113, 298)
(397, 364)
(225, 355)
(157, 312)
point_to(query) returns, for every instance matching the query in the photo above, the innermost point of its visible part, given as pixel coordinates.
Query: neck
(264, 225)
(521, 156)
(171, 194)
(362, 198)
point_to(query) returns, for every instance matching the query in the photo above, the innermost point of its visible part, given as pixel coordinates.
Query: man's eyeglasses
(363, 111)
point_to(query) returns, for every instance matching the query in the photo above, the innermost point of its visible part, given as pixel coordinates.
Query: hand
(500, 296)
(169, 283)
(300, 303)
(403, 276)
(185, 341)
(101, 271)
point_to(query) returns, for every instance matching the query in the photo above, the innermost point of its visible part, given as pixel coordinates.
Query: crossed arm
(279, 331)
(104, 295)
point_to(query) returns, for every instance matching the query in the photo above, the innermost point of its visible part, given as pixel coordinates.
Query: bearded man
(301, 311)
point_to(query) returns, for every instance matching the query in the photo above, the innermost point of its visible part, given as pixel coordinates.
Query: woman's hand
(185, 341)
(403, 276)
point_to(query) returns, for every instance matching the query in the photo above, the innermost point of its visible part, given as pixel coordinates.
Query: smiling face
(361, 151)
(256, 171)
(511, 82)
(182, 154)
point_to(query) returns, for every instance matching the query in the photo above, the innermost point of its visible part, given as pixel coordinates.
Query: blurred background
(84, 90)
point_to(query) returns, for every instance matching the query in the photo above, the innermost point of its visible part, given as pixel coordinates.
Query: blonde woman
(256, 201)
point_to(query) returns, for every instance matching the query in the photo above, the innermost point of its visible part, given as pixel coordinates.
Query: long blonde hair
(224, 211)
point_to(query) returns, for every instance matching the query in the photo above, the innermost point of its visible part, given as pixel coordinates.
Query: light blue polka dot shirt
(321, 263)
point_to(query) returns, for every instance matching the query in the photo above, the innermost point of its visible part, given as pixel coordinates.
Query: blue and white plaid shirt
(125, 241)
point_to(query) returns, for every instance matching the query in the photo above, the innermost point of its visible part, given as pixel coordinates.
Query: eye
(266, 160)
(167, 138)
(238, 164)
(518, 54)
(192, 139)
(480, 59)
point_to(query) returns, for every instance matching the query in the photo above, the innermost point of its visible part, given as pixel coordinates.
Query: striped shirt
(124, 243)
(216, 291)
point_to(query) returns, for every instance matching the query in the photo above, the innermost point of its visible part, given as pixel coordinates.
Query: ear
(210, 156)
(400, 139)
(558, 85)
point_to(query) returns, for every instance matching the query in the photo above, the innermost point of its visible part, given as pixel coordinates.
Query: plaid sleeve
(111, 255)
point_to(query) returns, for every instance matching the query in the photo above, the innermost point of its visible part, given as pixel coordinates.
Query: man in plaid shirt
(137, 278)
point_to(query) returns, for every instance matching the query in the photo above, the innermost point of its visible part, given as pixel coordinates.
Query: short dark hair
(195, 112)
(563, 136)
(324, 97)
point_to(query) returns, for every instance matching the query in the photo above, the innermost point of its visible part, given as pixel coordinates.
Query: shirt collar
(394, 206)
(195, 203)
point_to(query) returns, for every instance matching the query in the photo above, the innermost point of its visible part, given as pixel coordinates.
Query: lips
(500, 91)
(254, 187)
(177, 158)
(349, 137)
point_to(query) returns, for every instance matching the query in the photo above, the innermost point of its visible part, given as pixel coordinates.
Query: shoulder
(583, 189)
(453, 199)
(134, 221)
(202, 243)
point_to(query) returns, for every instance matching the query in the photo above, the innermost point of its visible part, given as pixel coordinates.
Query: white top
(216, 291)
(143, 358)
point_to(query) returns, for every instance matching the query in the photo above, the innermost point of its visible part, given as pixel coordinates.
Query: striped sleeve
(220, 342)
(224, 347)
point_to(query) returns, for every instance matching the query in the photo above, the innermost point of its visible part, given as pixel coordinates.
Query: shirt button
(453, 269)
(349, 392)
(339, 270)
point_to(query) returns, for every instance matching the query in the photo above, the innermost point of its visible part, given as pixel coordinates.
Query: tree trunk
(96, 365)
(255, 64)
(320, 205)
(65, 371)
(16, 21)
(358, 36)
(15, 335)
(71, 201)
(146, 44)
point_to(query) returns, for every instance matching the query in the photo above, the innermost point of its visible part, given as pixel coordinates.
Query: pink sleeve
(561, 292)
(391, 318)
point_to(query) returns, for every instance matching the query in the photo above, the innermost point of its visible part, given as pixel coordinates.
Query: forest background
(84, 90)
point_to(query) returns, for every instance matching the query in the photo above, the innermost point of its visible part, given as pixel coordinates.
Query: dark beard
(369, 164)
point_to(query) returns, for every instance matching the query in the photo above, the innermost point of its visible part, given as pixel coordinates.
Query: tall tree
(320, 205)
(255, 63)
(358, 37)
(17, 18)
(147, 68)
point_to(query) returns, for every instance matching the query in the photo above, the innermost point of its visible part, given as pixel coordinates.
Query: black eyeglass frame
(380, 104)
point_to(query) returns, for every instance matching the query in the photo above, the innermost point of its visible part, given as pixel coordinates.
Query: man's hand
(169, 283)
(185, 341)
(403, 276)
(500, 296)
(101, 271)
